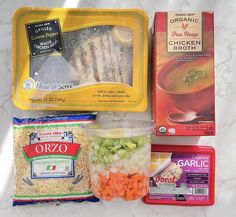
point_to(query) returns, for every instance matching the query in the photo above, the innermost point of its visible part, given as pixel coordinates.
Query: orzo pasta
(50, 155)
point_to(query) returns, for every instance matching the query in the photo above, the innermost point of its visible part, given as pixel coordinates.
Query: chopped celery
(107, 142)
(98, 140)
(130, 145)
(139, 140)
(122, 153)
(108, 150)
(107, 159)
(116, 142)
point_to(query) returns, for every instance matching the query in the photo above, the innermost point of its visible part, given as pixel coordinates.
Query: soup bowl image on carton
(189, 85)
(183, 78)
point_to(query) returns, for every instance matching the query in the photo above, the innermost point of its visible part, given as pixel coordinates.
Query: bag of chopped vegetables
(50, 155)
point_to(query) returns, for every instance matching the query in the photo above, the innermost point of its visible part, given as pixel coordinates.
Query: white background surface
(224, 142)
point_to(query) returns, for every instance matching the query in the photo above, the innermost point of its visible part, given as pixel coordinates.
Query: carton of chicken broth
(183, 101)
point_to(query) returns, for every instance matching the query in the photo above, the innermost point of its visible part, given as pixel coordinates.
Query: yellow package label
(80, 59)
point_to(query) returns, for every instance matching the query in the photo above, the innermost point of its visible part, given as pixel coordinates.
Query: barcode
(200, 191)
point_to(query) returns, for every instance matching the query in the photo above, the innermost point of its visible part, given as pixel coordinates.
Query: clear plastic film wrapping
(80, 59)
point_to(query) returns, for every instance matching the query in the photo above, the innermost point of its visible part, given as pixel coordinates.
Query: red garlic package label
(181, 178)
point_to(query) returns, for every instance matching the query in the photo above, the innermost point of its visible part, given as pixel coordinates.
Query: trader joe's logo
(184, 32)
(44, 37)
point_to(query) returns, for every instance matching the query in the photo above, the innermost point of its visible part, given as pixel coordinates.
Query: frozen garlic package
(80, 59)
(182, 175)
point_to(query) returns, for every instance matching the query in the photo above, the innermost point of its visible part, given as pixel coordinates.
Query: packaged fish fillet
(182, 175)
(80, 59)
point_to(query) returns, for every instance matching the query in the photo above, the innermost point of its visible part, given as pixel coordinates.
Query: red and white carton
(183, 86)
(182, 175)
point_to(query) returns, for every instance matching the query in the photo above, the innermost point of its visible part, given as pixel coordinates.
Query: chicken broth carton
(183, 99)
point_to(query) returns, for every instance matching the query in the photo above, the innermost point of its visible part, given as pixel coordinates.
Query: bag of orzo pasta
(50, 155)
